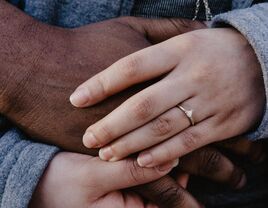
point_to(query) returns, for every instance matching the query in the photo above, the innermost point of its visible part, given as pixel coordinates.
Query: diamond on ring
(188, 113)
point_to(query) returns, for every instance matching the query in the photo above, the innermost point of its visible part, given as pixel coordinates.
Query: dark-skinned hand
(208, 162)
(41, 65)
(37, 77)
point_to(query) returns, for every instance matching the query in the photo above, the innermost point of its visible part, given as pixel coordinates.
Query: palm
(89, 181)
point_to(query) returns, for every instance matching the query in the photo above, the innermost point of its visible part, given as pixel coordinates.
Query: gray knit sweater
(23, 162)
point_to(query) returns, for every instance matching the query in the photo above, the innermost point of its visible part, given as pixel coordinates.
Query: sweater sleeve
(253, 24)
(22, 164)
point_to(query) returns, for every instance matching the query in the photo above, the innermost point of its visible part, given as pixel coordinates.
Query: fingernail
(89, 140)
(168, 166)
(106, 153)
(165, 167)
(242, 182)
(145, 159)
(80, 97)
(175, 163)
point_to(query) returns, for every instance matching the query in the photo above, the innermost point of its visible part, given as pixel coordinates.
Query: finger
(139, 109)
(210, 163)
(182, 179)
(158, 30)
(126, 173)
(257, 154)
(138, 67)
(132, 200)
(166, 193)
(156, 131)
(150, 205)
(244, 147)
(181, 144)
(146, 136)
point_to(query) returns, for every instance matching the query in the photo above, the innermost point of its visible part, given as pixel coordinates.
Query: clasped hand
(214, 72)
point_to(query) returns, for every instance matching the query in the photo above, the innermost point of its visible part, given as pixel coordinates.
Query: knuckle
(236, 176)
(136, 173)
(121, 149)
(166, 154)
(172, 197)
(131, 66)
(143, 109)
(189, 139)
(101, 87)
(115, 150)
(210, 162)
(202, 74)
(161, 126)
(188, 39)
(194, 38)
(103, 134)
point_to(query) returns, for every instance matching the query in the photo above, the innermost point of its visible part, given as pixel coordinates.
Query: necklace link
(207, 8)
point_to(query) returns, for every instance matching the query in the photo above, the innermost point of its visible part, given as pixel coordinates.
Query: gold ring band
(188, 113)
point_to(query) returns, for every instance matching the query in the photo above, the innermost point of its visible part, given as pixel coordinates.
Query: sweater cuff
(22, 164)
(253, 24)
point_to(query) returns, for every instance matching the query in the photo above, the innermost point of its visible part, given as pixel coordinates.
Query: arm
(253, 24)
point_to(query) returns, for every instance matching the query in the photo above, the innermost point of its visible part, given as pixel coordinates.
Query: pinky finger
(181, 144)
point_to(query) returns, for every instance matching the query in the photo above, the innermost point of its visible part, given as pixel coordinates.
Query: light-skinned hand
(214, 72)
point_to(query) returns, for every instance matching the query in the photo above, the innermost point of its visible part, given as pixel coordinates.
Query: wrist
(42, 196)
(25, 46)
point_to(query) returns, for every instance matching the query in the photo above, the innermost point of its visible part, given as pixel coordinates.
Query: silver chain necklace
(208, 11)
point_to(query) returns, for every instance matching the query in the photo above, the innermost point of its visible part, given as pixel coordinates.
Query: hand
(74, 180)
(215, 72)
(38, 63)
(208, 162)
(212, 163)
(83, 177)
(47, 63)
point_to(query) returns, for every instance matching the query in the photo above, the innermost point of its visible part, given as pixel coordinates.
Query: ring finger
(156, 131)
(135, 112)
(183, 143)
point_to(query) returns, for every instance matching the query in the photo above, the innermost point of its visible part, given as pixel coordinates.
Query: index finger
(140, 66)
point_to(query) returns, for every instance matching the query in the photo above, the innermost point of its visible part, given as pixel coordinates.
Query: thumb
(166, 193)
(127, 173)
(183, 179)
(158, 30)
